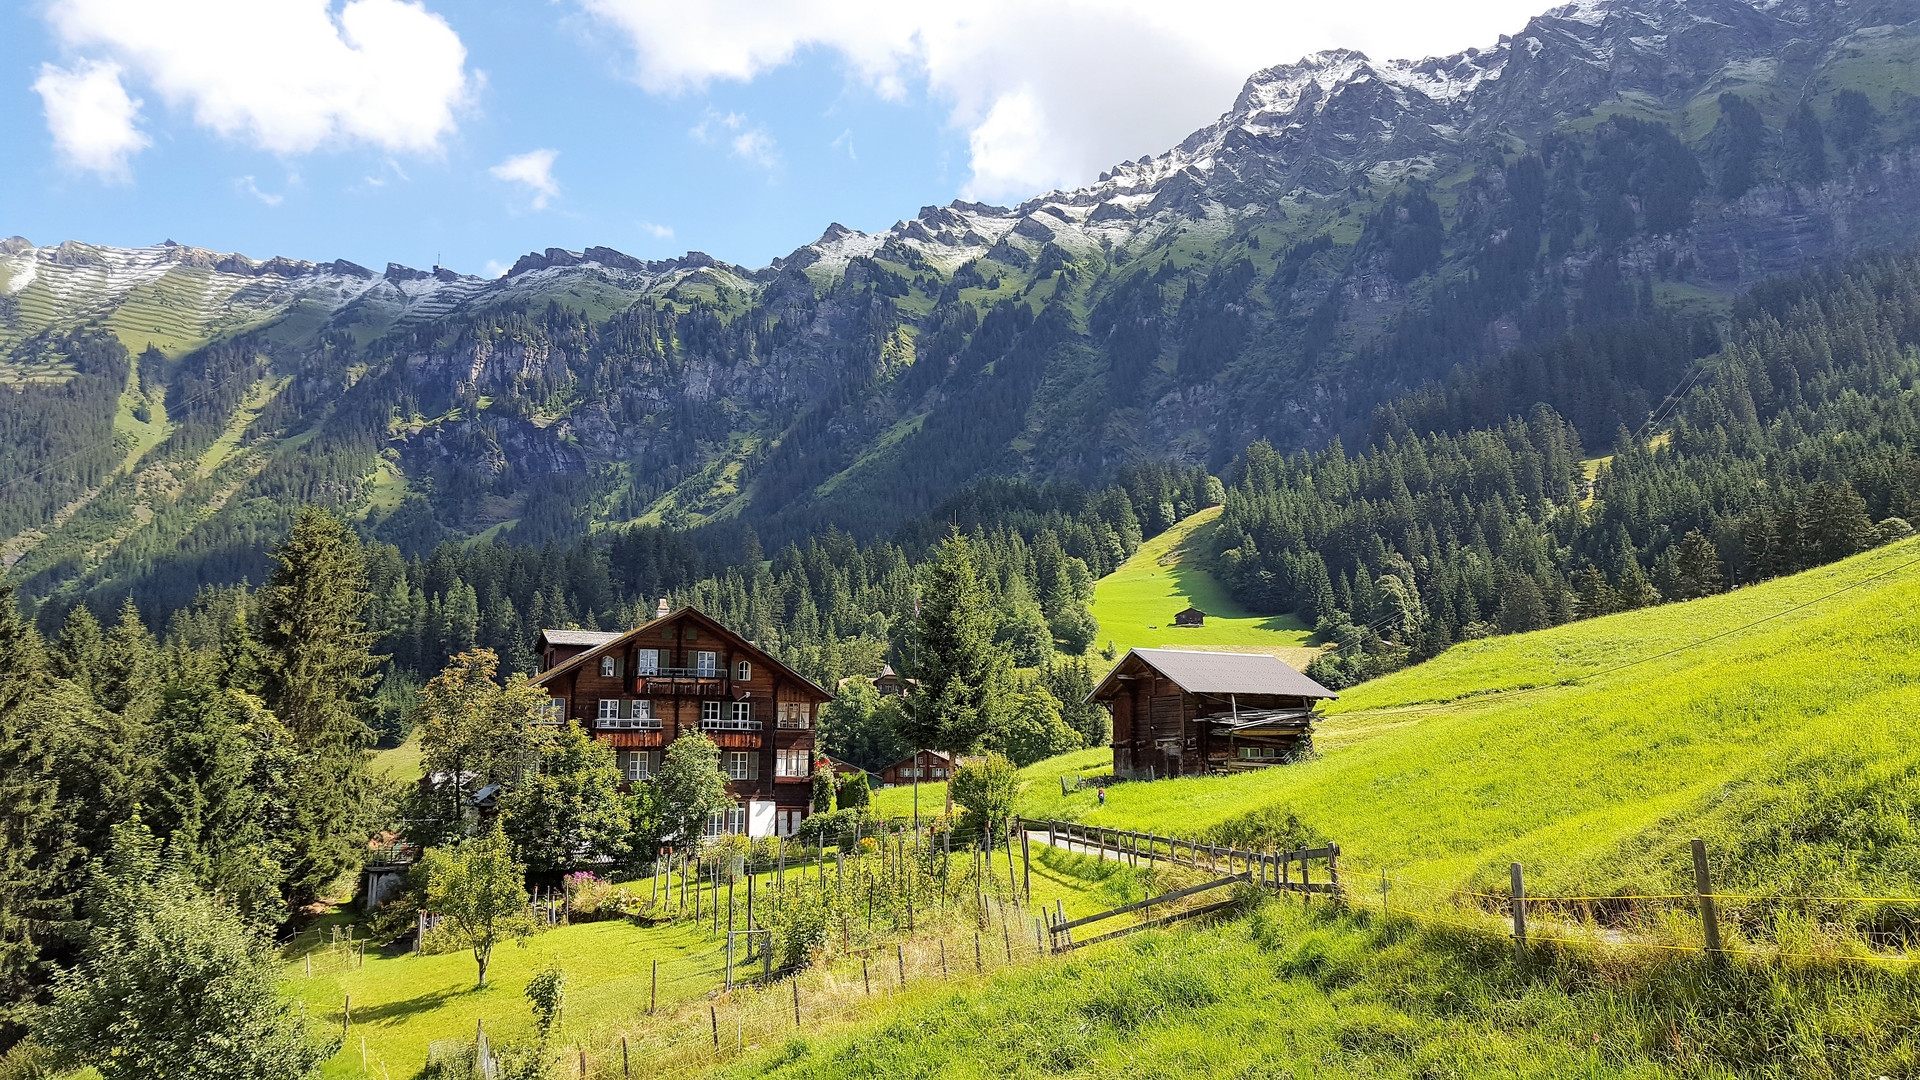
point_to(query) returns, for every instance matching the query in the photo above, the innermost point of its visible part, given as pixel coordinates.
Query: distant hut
(1182, 713)
(1193, 616)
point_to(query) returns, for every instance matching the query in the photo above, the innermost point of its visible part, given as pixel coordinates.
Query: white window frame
(794, 764)
(609, 709)
(716, 823)
(710, 712)
(706, 664)
(743, 671)
(646, 662)
(742, 713)
(736, 821)
(554, 711)
(743, 765)
(795, 715)
(639, 766)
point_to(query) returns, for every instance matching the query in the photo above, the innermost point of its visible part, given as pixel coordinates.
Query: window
(639, 765)
(706, 664)
(1259, 753)
(937, 773)
(716, 822)
(797, 763)
(794, 715)
(647, 662)
(554, 711)
(743, 765)
(710, 712)
(743, 671)
(737, 820)
(743, 713)
(609, 709)
(608, 669)
(732, 820)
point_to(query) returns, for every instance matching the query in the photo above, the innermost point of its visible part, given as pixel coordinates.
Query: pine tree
(40, 856)
(78, 656)
(318, 683)
(962, 679)
(1696, 570)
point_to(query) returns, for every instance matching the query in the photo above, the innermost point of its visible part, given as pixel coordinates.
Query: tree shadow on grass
(397, 1010)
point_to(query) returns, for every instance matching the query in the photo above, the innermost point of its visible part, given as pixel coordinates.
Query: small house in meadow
(1193, 616)
(927, 766)
(1181, 712)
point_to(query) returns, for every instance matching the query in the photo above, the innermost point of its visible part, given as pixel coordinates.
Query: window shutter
(753, 766)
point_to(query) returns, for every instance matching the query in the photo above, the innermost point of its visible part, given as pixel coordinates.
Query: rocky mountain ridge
(1346, 231)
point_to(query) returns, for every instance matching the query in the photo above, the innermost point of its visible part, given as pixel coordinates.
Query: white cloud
(658, 232)
(845, 139)
(1049, 94)
(749, 142)
(285, 75)
(534, 170)
(95, 123)
(496, 269)
(246, 186)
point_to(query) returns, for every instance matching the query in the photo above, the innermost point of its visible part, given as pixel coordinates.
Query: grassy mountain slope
(1136, 603)
(1591, 751)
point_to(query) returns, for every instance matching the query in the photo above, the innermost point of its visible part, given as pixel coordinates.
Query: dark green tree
(1696, 568)
(962, 680)
(318, 681)
(172, 982)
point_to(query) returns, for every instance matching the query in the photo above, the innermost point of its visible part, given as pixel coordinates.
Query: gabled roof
(910, 759)
(588, 638)
(696, 615)
(1219, 673)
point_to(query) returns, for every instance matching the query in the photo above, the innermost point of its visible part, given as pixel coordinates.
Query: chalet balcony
(681, 682)
(628, 723)
(729, 725)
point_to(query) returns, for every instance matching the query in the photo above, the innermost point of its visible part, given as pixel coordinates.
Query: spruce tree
(962, 679)
(318, 682)
(79, 653)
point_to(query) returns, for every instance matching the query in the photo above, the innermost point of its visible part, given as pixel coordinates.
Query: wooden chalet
(927, 766)
(638, 690)
(1180, 712)
(1193, 616)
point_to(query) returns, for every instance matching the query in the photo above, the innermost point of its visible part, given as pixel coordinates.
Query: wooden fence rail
(1271, 869)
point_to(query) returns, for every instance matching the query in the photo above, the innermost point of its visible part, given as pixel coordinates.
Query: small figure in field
(1103, 796)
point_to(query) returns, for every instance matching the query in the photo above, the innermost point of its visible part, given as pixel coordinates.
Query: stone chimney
(663, 611)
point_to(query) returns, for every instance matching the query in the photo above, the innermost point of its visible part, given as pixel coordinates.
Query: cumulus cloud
(534, 171)
(658, 232)
(284, 75)
(1049, 94)
(95, 122)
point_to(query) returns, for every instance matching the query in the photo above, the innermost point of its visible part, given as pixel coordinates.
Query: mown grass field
(1590, 752)
(1135, 604)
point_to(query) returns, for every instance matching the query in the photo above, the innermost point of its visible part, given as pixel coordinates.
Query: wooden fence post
(1703, 891)
(713, 1015)
(978, 967)
(1026, 866)
(346, 1016)
(625, 1069)
(1519, 916)
(943, 958)
(866, 980)
(796, 1002)
(900, 955)
(653, 1001)
(1333, 871)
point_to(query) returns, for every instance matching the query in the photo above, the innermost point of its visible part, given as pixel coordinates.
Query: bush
(586, 892)
(853, 792)
(838, 828)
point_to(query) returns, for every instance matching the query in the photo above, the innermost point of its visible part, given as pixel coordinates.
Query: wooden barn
(1193, 616)
(927, 766)
(683, 671)
(1179, 712)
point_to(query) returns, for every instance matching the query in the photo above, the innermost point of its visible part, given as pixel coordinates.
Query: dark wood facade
(1180, 713)
(683, 671)
(933, 768)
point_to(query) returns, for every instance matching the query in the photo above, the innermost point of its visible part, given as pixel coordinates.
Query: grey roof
(1230, 673)
(588, 638)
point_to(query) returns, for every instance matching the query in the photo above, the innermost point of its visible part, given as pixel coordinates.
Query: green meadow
(1135, 604)
(1591, 752)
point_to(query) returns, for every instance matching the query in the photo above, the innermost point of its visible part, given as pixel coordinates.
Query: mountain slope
(1348, 230)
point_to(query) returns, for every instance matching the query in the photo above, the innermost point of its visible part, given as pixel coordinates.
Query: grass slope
(1591, 751)
(1136, 603)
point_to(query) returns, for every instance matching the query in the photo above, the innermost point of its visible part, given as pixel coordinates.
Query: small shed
(1193, 616)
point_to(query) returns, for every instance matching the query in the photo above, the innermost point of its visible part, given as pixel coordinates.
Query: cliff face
(1349, 229)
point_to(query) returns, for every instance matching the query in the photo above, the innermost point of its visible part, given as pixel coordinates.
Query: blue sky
(389, 130)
